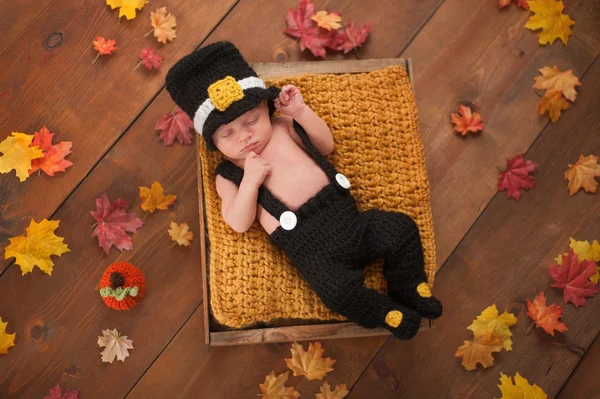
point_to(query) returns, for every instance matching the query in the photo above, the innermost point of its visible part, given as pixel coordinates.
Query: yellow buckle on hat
(224, 92)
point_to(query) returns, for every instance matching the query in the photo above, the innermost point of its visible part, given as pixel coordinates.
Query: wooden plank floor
(490, 249)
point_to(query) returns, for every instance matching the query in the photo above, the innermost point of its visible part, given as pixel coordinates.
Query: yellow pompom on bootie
(403, 324)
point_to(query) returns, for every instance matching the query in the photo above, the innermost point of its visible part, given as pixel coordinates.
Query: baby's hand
(290, 101)
(256, 169)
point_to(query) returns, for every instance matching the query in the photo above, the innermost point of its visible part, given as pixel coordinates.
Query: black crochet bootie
(416, 295)
(403, 324)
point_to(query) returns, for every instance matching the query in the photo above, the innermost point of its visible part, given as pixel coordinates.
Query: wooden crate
(288, 330)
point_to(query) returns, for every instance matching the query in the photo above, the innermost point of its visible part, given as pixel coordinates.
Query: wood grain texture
(47, 78)
(503, 260)
(583, 383)
(58, 318)
(487, 59)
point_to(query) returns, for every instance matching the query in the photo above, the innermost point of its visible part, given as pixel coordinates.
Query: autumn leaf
(351, 37)
(300, 24)
(581, 175)
(127, 7)
(54, 154)
(544, 316)
(479, 349)
(554, 80)
(35, 248)
(521, 388)
(154, 198)
(103, 46)
(548, 16)
(150, 59)
(309, 363)
(520, 3)
(163, 25)
(516, 176)
(116, 345)
(18, 154)
(585, 251)
(113, 223)
(175, 125)
(500, 324)
(327, 21)
(466, 121)
(274, 387)
(339, 392)
(573, 276)
(6, 340)
(56, 393)
(181, 234)
(553, 103)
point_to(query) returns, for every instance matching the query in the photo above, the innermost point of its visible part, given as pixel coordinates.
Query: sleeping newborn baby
(275, 170)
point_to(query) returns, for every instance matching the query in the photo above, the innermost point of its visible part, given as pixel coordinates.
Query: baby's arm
(239, 204)
(291, 105)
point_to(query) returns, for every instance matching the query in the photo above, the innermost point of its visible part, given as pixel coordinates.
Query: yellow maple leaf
(553, 103)
(520, 390)
(585, 251)
(127, 7)
(582, 174)
(549, 17)
(163, 25)
(274, 387)
(479, 349)
(18, 154)
(181, 234)
(489, 318)
(37, 246)
(309, 363)
(6, 340)
(154, 198)
(339, 392)
(554, 80)
(327, 21)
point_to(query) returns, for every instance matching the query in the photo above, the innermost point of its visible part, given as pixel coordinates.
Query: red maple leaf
(516, 176)
(150, 59)
(521, 3)
(113, 223)
(55, 393)
(54, 155)
(351, 37)
(574, 276)
(175, 125)
(544, 316)
(311, 36)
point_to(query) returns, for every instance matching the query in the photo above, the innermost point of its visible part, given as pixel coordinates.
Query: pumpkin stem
(116, 280)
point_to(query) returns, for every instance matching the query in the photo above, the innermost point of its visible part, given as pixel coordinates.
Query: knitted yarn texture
(122, 286)
(373, 119)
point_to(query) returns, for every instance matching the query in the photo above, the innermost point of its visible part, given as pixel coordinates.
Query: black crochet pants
(332, 244)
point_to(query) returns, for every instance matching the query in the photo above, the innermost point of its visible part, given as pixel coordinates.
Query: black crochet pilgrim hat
(215, 85)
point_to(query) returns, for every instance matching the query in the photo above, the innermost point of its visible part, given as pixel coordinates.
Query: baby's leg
(395, 237)
(342, 290)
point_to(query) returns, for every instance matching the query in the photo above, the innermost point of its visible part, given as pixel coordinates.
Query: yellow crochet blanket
(373, 119)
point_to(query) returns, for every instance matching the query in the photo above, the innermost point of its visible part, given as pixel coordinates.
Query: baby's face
(249, 132)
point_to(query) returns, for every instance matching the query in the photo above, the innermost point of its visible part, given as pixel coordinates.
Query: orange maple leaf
(309, 363)
(163, 24)
(466, 121)
(479, 349)
(581, 175)
(327, 21)
(544, 316)
(103, 46)
(553, 103)
(274, 387)
(154, 198)
(54, 154)
(554, 80)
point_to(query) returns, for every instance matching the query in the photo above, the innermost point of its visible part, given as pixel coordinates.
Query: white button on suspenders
(288, 220)
(342, 180)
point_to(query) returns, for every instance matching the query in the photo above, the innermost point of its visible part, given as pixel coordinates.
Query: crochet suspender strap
(314, 153)
(234, 173)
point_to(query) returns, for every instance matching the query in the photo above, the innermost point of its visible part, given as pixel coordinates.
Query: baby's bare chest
(295, 178)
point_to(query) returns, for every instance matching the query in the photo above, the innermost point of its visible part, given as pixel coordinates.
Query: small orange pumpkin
(122, 286)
